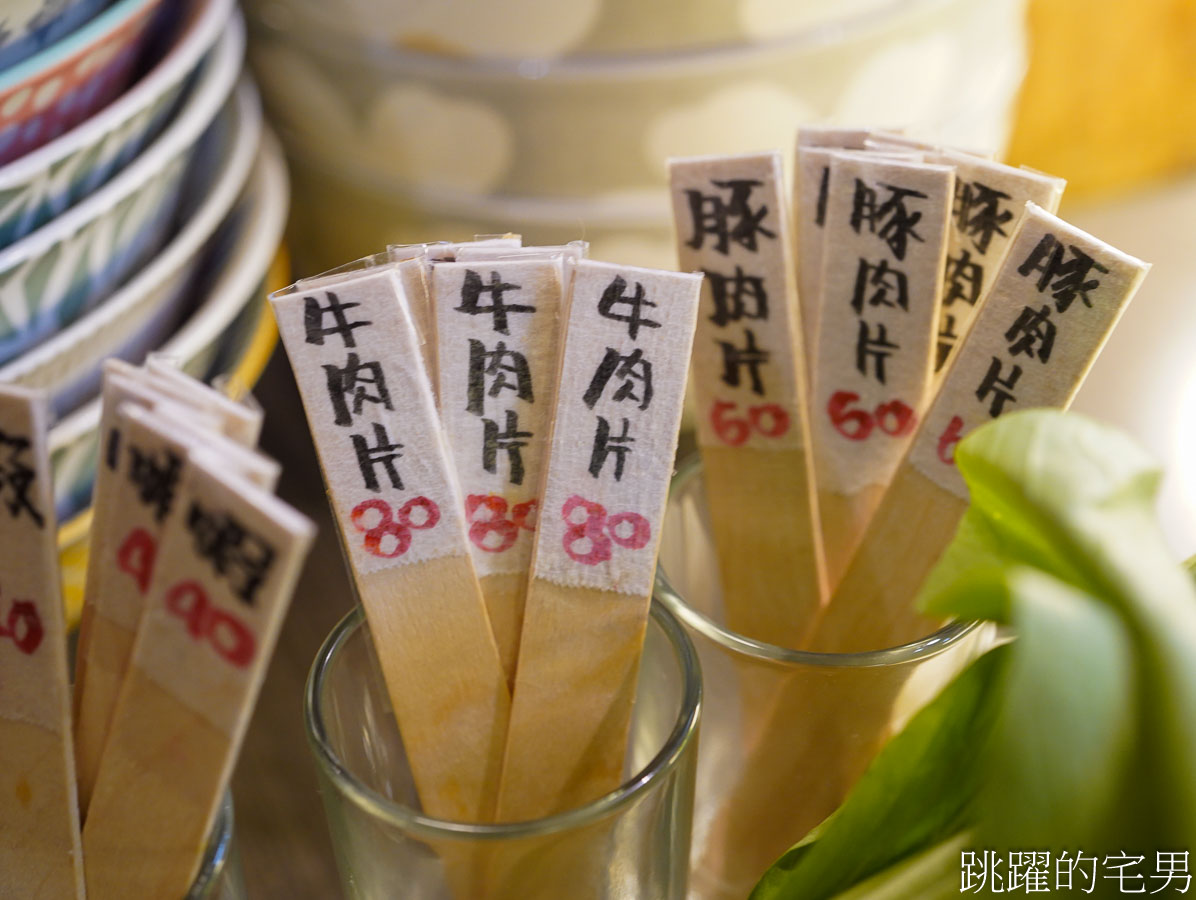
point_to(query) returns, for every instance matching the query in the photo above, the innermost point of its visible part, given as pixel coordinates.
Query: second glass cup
(786, 733)
(632, 843)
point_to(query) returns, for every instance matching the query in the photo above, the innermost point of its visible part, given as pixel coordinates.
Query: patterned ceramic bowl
(51, 277)
(52, 178)
(598, 129)
(27, 26)
(146, 311)
(230, 335)
(65, 83)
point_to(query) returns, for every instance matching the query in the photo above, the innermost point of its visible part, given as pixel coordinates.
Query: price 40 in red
(855, 423)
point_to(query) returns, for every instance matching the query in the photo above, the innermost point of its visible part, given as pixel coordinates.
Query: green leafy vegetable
(1084, 735)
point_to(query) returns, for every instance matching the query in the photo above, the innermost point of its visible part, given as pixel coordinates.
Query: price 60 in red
(894, 418)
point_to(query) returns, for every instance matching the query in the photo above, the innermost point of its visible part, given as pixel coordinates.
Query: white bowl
(230, 324)
(143, 313)
(51, 277)
(43, 183)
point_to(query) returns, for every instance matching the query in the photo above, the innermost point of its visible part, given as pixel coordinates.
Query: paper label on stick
(615, 429)
(33, 683)
(729, 214)
(1053, 302)
(355, 356)
(229, 557)
(886, 234)
(497, 326)
(989, 201)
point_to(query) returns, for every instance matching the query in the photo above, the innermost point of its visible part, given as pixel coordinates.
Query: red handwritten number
(767, 419)
(397, 525)
(487, 516)
(950, 437)
(627, 529)
(23, 627)
(893, 418)
(136, 556)
(229, 636)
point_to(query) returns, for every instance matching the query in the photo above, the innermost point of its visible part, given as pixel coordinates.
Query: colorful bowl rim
(235, 287)
(207, 21)
(219, 197)
(98, 28)
(181, 133)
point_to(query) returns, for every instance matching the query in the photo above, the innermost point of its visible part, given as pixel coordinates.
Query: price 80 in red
(387, 530)
(590, 534)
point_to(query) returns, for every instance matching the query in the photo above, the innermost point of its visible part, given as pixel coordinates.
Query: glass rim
(664, 762)
(304, 30)
(216, 854)
(914, 651)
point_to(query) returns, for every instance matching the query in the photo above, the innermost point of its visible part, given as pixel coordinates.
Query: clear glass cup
(631, 843)
(786, 733)
(220, 876)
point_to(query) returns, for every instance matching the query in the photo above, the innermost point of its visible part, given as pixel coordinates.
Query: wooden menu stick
(886, 233)
(497, 328)
(989, 201)
(145, 457)
(40, 856)
(372, 418)
(240, 421)
(811, 181)
(614, 434)
(749, 384)
(230, 556)
(123, 382)
(1055, 298)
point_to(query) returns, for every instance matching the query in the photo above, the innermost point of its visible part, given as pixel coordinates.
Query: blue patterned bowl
(229, 326)
(27, 26)
(51, 277)
(42, 184)
(146, 311)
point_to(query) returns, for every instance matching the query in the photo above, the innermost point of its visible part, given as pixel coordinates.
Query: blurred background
(164, 163)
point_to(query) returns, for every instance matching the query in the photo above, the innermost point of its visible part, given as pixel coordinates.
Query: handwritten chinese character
(947, 338)
(877, 349)
(605, 444)
(733, 293)
(383, 453)
(979, 214)
(498, 364)
(727, 220)
(891, 220)
(313, 320)
(355, 378)
(632, 369)
(750, 356)
(16, 478)
(509, 441)
(890, 287)
(1033, 334)
(471, 292)
(963, 278)
(155, 479)
(1066, 280)
(614, 296)
(235, 553)
(1000, 388)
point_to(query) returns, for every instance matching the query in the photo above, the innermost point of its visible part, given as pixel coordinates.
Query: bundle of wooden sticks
(191, 566)
(497, 424)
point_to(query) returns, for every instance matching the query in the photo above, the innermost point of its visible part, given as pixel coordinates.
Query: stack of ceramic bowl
(141, 208)
(407, 120)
